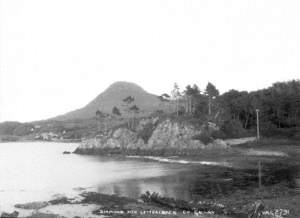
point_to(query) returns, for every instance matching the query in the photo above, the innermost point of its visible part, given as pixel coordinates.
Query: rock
(212, 126)
(196, 144)
(118, 133)
(170, 134)
(125, 137)
(257, 209)
(155, 120)
(112, 143)
(218, 144)
(33, 205)
(120, 138)
(60, 200)
(146, 121)
(10, 215)
(44, 215)
(140, 201)
(167, 135)
(66, 152)
(136, 145)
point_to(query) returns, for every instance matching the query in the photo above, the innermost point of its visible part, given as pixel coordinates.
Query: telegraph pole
(257, 124)
(258, 136)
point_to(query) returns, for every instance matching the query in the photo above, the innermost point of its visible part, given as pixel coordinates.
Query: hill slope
(113, 96)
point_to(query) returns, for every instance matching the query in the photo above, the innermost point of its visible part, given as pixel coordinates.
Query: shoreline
(95, 204)
(54, 141)
(275, 196)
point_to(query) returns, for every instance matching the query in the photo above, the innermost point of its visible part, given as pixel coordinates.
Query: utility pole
(257, 123)
(105, 125)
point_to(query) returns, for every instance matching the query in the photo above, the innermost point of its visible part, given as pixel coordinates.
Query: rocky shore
(153, 137)
(94, 204)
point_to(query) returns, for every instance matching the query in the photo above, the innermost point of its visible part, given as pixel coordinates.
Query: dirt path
(240, 140)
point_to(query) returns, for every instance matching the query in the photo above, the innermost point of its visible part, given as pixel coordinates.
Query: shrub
(219, 134)
(23, 129)
(146, 132)
(7, 128)
(9, 138)
(173, 203)
(234, 129)
(297, 134)
(203, 137)
(268, 129)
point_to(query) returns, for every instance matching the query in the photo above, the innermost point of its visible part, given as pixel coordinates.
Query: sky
(56, 56)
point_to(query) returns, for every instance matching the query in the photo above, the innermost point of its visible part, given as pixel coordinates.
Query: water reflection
(196, 182)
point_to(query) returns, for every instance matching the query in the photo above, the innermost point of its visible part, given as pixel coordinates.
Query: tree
(200, 105)
(128, 100)
(175, 97)
(279, 107)
(191, 94)
(212, 93)
(98, 114)
(116, 111)
(165, 98)
(101, 116)
(134, 110)
(131, 109)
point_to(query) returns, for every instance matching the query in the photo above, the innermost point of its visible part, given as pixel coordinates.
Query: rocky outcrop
(147, 121)
(124, 139)
(175, 135)
(167, 135)
(121, 138)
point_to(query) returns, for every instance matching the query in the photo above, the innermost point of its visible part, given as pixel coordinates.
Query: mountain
(113, 97)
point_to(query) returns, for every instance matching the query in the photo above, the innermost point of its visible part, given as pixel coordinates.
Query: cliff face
(166, 135)
(120, 139)
(170, 134)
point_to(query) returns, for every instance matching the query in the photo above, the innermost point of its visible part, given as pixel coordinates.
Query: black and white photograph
(149, 109)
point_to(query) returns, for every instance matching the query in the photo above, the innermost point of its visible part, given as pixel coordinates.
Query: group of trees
(128, 106)
(132, 109)
(279, 105)
(192, 101)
